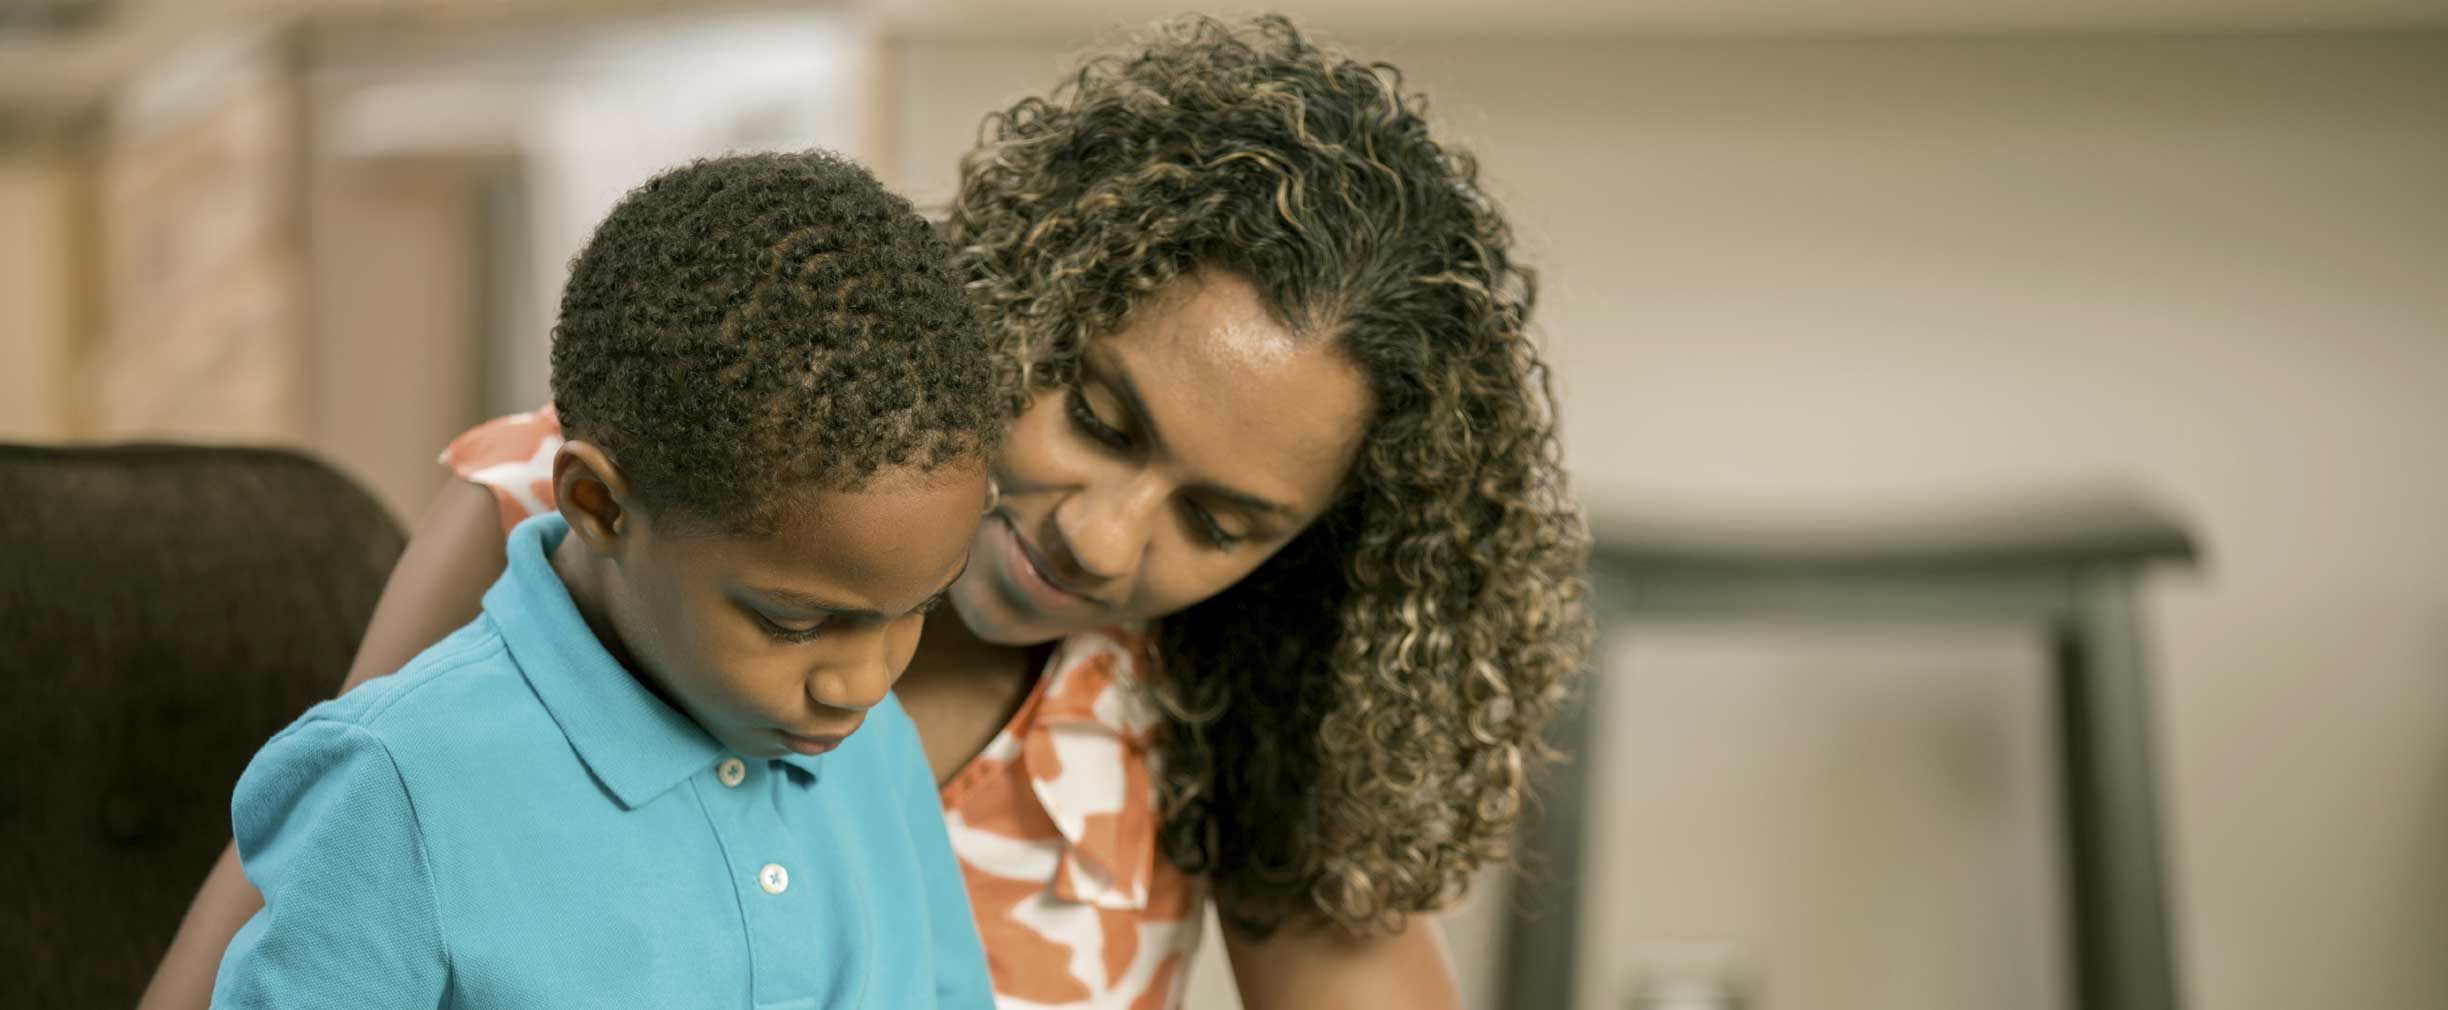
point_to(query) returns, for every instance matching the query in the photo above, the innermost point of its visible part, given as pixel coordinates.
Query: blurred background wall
(1795, 258)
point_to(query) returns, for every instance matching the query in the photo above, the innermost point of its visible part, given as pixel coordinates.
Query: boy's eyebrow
(946, 589)
(806, 601)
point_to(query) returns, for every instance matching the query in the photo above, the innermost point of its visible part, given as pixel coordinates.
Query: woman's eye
(1084, 417)
(1208, 527)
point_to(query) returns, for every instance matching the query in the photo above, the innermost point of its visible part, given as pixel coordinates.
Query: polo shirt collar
(635, 744)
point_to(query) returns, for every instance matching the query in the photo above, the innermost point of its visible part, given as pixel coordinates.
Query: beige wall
(41, 211)
(398, 318)
(1848, 272)
(454, 171)
(1827, 816)
(200, 328)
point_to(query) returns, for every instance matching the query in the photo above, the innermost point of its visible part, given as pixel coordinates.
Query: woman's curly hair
(1352, 727)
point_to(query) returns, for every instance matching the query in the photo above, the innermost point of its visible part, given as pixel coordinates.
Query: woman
(1283, 583)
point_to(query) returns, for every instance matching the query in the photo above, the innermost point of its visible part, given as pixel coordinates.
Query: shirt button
(732, 772)
(773, 878)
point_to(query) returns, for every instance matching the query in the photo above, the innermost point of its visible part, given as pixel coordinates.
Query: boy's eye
(786, 633)
(1085, 418)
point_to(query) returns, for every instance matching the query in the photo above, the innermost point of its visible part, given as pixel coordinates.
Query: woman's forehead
(1228, 390)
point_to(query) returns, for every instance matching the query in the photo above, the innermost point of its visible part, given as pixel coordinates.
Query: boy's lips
(810, 745)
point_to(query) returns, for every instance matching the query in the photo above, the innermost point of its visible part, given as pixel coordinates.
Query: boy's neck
(584, 574)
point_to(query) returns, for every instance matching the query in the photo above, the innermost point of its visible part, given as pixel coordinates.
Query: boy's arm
(325, 830)
(959, 957)
(455, 553)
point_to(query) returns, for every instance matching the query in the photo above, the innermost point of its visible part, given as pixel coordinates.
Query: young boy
(663, 768)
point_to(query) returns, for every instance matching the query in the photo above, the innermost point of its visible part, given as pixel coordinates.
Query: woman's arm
(1299, 969)
(454, 554)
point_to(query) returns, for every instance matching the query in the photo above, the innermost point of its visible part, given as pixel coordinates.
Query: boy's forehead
(887, 546)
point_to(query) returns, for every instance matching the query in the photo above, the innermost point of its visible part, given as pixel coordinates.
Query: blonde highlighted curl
(1352, 727)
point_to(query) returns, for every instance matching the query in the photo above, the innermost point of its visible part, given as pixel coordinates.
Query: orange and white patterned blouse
(1054, 822)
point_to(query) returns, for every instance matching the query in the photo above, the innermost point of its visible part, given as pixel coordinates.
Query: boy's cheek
(711, 633)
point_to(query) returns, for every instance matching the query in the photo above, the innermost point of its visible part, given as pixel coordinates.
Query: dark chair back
(163, 611)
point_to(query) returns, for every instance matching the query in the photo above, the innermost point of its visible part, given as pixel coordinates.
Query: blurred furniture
(163, 611)
(2069, 563)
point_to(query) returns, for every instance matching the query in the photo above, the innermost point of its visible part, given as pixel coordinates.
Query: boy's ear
(592, 494)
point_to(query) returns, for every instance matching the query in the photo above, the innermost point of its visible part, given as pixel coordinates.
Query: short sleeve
(326, 831)
(511, 457)
(959, 956)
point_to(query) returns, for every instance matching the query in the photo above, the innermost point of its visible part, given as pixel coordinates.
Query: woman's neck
(961, 690)
(949, 651)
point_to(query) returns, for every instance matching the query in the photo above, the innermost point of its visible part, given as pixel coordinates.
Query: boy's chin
(754, 749)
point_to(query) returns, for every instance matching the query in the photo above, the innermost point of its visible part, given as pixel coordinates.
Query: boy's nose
(858, 681)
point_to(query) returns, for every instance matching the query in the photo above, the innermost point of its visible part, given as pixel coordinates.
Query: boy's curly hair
(1352, 727)
(750, 324)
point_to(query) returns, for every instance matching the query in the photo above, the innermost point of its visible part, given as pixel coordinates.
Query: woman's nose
(1107, 527)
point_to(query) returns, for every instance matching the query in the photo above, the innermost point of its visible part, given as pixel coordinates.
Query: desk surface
(2098, 523)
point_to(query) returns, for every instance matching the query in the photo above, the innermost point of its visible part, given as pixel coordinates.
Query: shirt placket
(781, 895)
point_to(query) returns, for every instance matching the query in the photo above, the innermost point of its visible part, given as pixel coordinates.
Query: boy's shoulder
(441, 697)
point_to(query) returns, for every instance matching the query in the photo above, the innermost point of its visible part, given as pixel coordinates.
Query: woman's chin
(995, 622)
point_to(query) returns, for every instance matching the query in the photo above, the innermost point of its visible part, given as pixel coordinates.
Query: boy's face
(781, 642)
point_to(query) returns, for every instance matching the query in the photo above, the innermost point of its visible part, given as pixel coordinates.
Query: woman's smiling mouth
(1034, 578)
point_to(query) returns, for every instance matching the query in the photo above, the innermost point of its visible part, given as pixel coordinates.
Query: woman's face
(1201, 437)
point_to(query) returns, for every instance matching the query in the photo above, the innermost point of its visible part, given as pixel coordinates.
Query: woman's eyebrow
(1246, 500)
(1116, 376)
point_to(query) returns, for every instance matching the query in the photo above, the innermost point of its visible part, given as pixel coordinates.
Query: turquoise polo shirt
(513, 820)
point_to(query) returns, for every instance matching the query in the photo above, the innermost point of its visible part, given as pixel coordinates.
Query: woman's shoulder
(1099, 677)
(1073, 775)
(1087, 683)
(511, 458)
